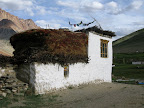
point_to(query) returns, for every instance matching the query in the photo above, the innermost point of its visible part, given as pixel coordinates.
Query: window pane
(105, 50)
(106, 55)
(105, 44)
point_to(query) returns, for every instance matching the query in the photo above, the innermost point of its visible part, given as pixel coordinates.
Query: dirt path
(105, 95)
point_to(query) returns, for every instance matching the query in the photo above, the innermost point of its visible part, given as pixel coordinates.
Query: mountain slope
(131, 43)
(22, 24)
(8, 21)
(9, 25)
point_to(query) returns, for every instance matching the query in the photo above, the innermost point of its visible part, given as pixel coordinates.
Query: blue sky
(120, 16)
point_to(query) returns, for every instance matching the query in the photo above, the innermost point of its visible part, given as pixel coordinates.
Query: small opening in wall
(66, 71)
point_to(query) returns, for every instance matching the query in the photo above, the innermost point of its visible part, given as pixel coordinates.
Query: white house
(46, 77)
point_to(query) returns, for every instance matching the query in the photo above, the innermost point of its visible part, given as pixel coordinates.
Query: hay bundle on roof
(50, 45)
(97, 30)
(5, 59)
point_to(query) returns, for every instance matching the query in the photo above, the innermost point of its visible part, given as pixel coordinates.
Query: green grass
(130, 55)
(32, 101)
(125, 58)
(5, 102)
(128, 71)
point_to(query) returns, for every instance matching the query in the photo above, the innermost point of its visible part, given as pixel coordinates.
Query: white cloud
(87, 6)
(17, 5)
(41, 10)
(123, 31)
(91, 7)
(112, 7)
(68, 4)
(138, 23)
(136, 4)
(72, 15)
(122, 24)
(95, 5)
(29, 11)
(112, 4)
(27, 6)
(52, 24)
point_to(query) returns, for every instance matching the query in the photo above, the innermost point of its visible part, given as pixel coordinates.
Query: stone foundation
(9, 84)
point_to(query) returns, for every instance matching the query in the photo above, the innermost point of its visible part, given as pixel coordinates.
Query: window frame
(66, 70)
(104, 48)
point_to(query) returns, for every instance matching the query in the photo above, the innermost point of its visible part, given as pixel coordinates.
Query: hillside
(6, 48)
(131, 43)
(9, 25)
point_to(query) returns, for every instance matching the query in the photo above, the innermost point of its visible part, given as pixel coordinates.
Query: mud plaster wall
(47, 77)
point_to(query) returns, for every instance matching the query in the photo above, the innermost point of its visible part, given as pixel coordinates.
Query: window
(104, 48)
(66, 71)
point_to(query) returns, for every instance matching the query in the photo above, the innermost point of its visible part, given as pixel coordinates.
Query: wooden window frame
(66, 71)
(104, 48)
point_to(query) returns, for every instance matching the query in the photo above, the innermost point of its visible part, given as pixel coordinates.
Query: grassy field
(124, 67)
(127, 58)
(33, 101)
(128, 71)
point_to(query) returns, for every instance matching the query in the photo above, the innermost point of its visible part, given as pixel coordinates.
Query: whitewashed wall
(46, 77)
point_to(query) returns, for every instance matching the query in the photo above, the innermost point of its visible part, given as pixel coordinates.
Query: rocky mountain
(131, 43)
(9, 25)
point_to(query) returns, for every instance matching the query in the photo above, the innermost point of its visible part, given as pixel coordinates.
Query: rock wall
(9, 84)
(7, 70)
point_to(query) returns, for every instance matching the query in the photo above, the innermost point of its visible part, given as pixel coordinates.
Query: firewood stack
(50, 46)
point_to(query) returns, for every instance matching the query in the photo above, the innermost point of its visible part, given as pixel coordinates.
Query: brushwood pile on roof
(97, 30)
(50, 46)
(5, 59)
